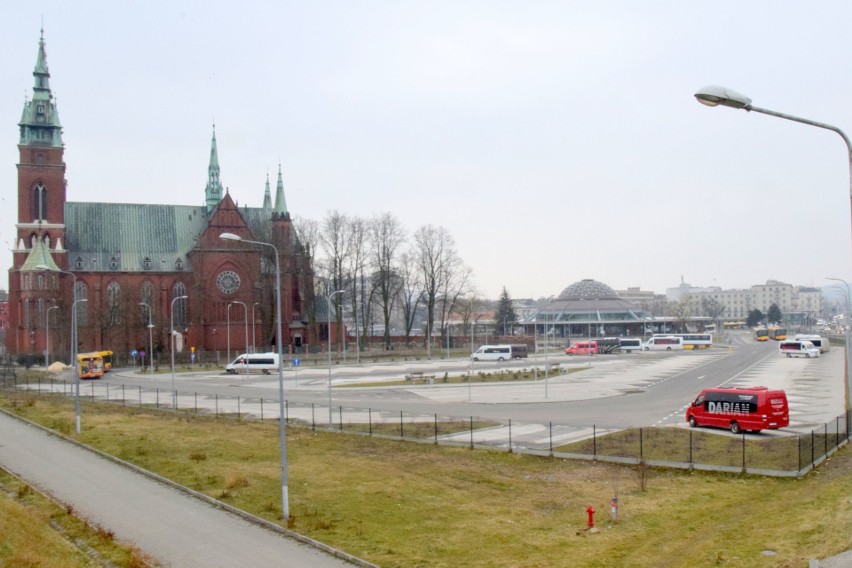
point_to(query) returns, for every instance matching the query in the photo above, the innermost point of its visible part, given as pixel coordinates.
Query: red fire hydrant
(591, 512)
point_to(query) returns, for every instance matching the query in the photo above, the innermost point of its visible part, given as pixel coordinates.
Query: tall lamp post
(846, 329)
(228, 332)
(73, 341)
(328, 314)
(47, 335)
(245, 315)
(285, 497)
(253, 338)
(150, 337)
(713, 95)
(172, 346)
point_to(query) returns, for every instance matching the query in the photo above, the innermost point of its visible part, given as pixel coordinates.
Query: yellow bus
(777, 333)
(761, 334)
(90, 366)
(107, 359)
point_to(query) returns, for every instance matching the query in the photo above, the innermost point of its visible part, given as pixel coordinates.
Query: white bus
(692, 340)
(664, 343)
(264, 363)
(630, 344)
(819, 341)
(499, 352)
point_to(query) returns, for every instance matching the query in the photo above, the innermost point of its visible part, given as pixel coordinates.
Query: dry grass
(38, 533)
(404, 504)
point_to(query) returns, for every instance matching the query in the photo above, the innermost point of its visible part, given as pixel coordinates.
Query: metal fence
(780, 454)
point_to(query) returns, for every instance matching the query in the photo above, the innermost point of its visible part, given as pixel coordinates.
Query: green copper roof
(39, 256)
(267, 197)
(132, 237)
(280, 202)
(39, 123)
(213, 191)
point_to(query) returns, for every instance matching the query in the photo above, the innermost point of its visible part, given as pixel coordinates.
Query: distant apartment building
(797, 303)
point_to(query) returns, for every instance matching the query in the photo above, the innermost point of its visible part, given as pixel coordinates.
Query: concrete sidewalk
(171, 525)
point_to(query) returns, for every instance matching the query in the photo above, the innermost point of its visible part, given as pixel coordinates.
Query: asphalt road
(611, 391)
(168, 524)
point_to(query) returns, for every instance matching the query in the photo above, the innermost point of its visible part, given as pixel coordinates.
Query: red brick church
(131, 262)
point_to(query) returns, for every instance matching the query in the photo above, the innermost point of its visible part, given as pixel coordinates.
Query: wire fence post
(340, 415)
(471, 432)
(400, 426)
(261, 409)
(744, 452)
(510, 435)
(370, 421)
(594, 442)
(641, 446)
(313, 418)
(217, 404)
(550, 436)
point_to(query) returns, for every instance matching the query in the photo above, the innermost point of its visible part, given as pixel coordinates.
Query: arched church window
(82, 293)
(39, 203)
(113, 303)
(146, 263)
(178, 264)
(78, 263)
(179, 310)
(113, 263)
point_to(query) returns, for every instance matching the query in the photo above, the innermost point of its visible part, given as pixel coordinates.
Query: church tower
(213, 191)
(34, 286)
(41, 170)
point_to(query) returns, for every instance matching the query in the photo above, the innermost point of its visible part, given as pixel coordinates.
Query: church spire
(213, 191)
(280, 203)
(40, 120)
(267, 197)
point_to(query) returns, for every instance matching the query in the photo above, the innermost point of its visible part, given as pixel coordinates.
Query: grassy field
(403, 504)
(39, 533)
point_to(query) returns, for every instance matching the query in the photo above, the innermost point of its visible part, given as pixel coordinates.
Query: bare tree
(438, 264)
(386, 236)
(307, 231)
(355, 264)
(334, 237)
(681, 310)
(410, 289)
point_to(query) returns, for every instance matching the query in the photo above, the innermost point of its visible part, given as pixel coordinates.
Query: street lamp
(228, 331)
(253, 339)
(285, 497)
(150, 337)
(73, 341)
(47, 336)
(245, 314)
(713, 95)
(172, 347)
(328, 314)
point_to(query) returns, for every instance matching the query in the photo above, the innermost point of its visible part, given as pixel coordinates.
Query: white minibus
(499, 352)
(819, 341)
(795, 348)
(664, 343)
(264, 363)
(630, 344)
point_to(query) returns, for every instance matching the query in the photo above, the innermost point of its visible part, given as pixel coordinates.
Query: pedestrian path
(171, 525)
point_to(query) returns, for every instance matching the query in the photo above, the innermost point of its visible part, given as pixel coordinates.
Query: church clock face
(228, 282)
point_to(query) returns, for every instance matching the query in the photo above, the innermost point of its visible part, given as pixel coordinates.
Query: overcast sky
(555, 141)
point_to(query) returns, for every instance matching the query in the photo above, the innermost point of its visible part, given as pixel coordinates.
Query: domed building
(589, 308)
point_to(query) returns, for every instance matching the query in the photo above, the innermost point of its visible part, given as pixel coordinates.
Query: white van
(630, 344)
(802, 348)
(499, 353)
(664, 343)
(819, 341)
(252, 363)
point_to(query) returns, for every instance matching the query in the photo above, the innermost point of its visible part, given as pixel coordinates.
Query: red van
(582, 348)
(740, 409)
